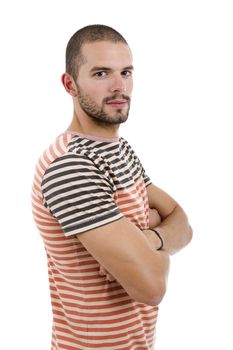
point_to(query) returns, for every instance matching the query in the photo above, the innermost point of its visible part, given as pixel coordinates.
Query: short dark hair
(88, 34)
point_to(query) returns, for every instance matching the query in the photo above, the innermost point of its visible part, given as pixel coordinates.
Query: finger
(110, 277)
(102, 271)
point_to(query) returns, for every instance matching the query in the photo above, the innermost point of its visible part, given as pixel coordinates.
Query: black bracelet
(158, 234)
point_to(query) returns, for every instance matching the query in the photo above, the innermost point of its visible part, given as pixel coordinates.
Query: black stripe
(72, 179)
(71, 171)
(68, 164)
(88, 215)
(127, 169)
(130, 179)
(68, 155)
(73, 195)
(93, 221)
(88, 209)
(108, 150)
(81, 202)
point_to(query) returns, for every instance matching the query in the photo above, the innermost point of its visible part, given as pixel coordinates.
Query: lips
(117, 104)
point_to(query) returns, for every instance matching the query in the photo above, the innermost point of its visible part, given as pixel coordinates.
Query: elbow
(154, 287)
(190, 234)
(157, 296)
(151, 296)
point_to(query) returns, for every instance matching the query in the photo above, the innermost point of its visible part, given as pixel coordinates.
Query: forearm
(157, 271)
(175, 231)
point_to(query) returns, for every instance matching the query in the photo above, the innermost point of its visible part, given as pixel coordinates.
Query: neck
(87, 126)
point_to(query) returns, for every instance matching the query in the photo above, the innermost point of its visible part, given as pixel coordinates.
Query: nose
(118, 84)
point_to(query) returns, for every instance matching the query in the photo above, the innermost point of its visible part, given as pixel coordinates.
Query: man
(94, 204)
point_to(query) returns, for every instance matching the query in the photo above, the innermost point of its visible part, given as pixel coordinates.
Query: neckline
(92, 137)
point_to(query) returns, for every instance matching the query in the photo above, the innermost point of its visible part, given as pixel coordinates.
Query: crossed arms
(130, 255)
(174, 227)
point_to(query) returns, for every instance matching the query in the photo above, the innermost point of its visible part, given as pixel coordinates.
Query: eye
(101, 74)
(126, 73)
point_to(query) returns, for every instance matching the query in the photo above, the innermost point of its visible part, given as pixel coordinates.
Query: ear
(69, 84)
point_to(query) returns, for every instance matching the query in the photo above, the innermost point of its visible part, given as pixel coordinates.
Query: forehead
(106, 54)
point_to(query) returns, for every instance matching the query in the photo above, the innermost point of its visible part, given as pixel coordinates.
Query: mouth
(117, 103)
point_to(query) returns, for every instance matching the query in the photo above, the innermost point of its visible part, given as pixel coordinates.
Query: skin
(108, 90)
(101, 100)
(154, 220)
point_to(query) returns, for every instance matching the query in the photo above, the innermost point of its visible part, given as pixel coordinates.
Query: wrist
(158, 234)
(152, 238)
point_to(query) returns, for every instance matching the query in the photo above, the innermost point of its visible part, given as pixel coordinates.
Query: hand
(152, 238)
(104, 272)
(154, 218)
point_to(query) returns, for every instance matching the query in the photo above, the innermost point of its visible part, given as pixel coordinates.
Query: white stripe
(105, 306)
(114, 318)
(89, 227)
(101, 341)
(82, 294)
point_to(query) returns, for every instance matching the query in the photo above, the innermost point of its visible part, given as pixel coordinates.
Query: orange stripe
(100, 322)
(99, 313)
(135, 188)
(94, 307)
(99, 337)
(64, 245)
(46, 159)
(43, 167)
(36, 188)
(42, 232)
(92, 300)
(132, 215)
(58, 146)
(79, 284)
(52, 152)
(88, 292)
(100, 330)
(45, 223)
(132, 207)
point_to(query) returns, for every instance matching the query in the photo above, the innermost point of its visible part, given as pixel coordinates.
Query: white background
(179, 125)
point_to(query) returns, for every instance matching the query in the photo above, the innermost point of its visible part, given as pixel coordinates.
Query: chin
(121, 119)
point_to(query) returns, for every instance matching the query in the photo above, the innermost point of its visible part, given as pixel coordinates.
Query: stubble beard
(97, 113)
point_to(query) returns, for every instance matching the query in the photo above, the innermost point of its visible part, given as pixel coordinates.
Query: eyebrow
(100, 68)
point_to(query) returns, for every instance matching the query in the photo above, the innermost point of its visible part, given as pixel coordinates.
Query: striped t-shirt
(82, 183)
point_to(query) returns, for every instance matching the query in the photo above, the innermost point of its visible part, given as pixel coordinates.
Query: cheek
(97, 89)
(94, 92)
(129, 86)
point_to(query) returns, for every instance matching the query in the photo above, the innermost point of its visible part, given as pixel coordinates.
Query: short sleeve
(78, 194)
(146, 178)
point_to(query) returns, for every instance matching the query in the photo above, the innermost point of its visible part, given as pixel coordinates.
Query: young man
(94, 206)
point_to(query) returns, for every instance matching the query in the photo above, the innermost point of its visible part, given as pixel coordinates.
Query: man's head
(88, 34)
(99, 74)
